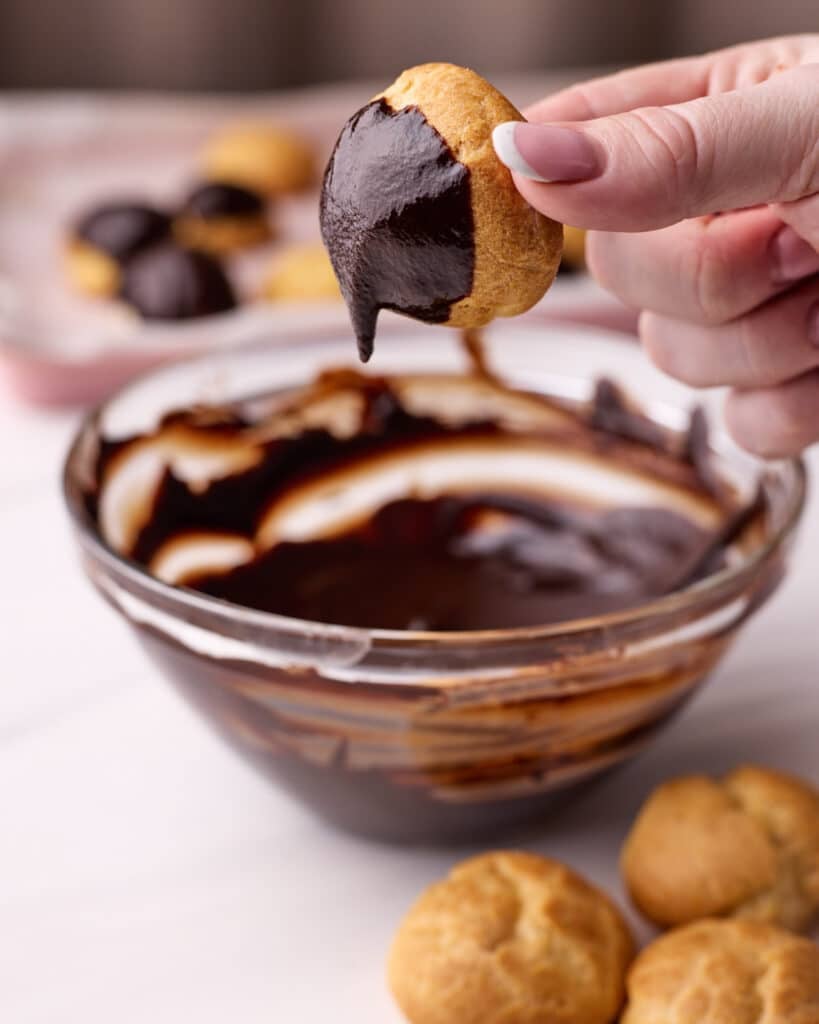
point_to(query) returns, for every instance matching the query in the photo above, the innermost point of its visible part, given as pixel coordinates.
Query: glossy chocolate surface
(479, 558)
(171, 283)
(422, 564)
(213, 200)
(396, 219)
(123, 229)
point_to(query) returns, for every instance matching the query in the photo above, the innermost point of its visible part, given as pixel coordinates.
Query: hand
(715, 161)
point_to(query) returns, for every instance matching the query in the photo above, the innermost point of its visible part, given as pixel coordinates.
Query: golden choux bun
(302, 273)
(511, 938)
(725, 972)
(90, 270)
(266, 158)
(574, 247)
(517, 249)
(744, 846)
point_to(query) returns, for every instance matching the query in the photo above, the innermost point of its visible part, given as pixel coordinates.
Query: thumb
(651, 167)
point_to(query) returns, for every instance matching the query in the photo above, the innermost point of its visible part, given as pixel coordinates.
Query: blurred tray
(60, 155)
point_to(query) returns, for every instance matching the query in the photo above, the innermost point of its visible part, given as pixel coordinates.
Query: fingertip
(740, 424)
(557, 153)
(506, 148)
(598, 256)
(662, 341)
(759, 422)
(651, 341)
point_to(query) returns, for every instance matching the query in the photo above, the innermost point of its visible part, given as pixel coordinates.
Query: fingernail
(792, 257)
(545, 152)
(813, 324)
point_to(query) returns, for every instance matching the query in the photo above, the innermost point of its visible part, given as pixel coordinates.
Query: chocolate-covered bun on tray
(106, 237)
(168, 282)
(421, 217)
(221, 217)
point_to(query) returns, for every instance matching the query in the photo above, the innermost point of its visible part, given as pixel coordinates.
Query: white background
(146, 875)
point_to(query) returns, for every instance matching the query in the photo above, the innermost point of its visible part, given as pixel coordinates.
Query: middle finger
(706, 271)
(774, 343)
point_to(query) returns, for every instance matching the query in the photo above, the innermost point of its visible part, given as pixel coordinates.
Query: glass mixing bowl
(422, 736)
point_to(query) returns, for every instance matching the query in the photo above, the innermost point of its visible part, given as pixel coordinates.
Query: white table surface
(146, 875)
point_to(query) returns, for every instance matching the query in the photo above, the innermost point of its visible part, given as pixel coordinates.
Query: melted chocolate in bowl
(487, 561)
(397, 520)
(442, 503)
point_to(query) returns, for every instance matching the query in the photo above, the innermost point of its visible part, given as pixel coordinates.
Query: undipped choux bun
(264, 157)
(746, 845)
(725, 972)
(515, 938)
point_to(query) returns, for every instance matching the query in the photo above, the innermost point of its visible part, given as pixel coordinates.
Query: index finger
(656, 85)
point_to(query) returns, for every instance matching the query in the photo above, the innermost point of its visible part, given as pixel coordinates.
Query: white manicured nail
(503, 139)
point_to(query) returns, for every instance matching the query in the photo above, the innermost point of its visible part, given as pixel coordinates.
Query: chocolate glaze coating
(396, 219)
(219, 199)
(123, 229)
(169, 283)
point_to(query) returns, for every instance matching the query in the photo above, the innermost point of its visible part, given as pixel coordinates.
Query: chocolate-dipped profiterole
(219, 217)
(419, 215)
(170, 283)
(106, 237)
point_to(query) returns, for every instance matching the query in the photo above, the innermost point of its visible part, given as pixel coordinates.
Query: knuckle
(599, 260)
(584, 97)
(709, 272)
(676, 152)
(803, 216)
(754, 360)
(800, 109)
(790, 422)
(743, 421)
(805, 180)
(654, 345)
(657, 335)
